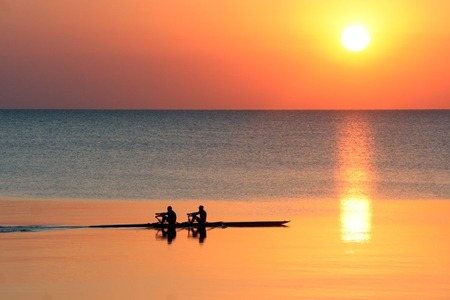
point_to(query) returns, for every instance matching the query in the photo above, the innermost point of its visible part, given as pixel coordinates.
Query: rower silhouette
(169, 217)
(199, 217)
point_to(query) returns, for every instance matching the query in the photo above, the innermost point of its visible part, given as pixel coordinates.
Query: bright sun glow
(356, 219)
(355, 38)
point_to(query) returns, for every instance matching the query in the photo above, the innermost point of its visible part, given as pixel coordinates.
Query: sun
(355, 38)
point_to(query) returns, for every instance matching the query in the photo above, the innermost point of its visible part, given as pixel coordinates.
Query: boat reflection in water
(169, 234)
(194, 230)
(355, 178)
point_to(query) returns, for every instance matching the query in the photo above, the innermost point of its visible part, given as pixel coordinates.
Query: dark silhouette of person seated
(199, 216)
(169, 217)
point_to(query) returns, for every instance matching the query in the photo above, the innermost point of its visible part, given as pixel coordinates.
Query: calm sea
(224, 154)
(366, 192)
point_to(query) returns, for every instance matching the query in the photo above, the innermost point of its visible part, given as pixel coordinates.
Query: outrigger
(158, 225)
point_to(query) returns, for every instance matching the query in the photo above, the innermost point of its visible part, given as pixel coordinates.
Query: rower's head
(169, 208)
(200, 207)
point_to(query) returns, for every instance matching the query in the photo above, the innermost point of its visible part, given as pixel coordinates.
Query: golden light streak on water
(355, 180)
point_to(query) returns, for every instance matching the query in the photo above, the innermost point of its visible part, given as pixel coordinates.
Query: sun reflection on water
(355, 179)
(356, 223)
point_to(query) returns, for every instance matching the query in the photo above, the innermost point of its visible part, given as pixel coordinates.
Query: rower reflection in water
(169, 233)
(199, 232)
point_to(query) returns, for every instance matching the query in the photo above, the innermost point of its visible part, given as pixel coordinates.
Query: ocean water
(366, 192)
(224, 155)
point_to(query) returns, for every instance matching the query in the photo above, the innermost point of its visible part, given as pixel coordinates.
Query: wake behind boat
(222, 224)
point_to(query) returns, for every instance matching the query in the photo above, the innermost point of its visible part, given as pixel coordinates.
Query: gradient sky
(208, 54)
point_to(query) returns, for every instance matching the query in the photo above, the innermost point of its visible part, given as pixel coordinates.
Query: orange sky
(207, 54)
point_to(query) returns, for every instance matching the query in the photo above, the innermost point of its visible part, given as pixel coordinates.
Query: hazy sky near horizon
(208, 54)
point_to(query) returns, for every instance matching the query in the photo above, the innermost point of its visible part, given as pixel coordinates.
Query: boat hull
(188, 225)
